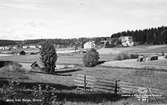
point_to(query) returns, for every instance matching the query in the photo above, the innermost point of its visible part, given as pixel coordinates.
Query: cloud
(21, 6)
(75, 18)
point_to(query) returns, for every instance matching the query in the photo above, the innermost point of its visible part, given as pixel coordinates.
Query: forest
(149, 36)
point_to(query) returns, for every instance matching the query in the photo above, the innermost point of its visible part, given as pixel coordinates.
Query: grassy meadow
(64, 77)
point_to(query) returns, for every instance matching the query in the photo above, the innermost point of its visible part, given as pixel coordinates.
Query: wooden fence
(87, 82)
(90, 83)
(126, 87)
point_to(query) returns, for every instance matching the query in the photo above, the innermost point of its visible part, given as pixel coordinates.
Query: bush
(48, 56)
(91, 58)
(123, 56)
(133, 56)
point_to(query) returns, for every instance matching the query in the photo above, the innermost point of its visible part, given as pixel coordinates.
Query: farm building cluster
(124, 41)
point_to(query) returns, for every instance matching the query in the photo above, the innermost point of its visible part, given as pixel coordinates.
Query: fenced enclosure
(89, 83)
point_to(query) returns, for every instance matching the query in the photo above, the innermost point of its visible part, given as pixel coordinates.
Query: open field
(106, 54)
(64, 77)
(135, 49)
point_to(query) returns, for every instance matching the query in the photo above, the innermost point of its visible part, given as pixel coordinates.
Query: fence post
(116, 86)
(85, 82)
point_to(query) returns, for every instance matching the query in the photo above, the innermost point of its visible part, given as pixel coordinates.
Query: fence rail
(86, 82)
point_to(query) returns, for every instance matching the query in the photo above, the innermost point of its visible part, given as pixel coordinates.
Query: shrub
(133, 56)
(48, 56)
(123, 56)
(91, 58)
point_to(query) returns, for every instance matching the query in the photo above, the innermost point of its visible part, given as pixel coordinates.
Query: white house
(127, 41)
(32, 46)
(6, 48)
(2, 48)
(25, 47)
(89, 45)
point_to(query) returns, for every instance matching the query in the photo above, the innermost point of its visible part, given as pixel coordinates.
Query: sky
(39, 19)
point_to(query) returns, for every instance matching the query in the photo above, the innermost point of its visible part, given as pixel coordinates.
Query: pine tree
(48, 56)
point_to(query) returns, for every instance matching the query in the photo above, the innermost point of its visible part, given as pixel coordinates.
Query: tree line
(7, 42)
(147, 36)
(79, 42)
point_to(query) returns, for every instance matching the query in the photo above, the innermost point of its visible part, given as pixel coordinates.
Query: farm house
(32, 46)
(126, 41)
(25, 47)
(89, 45)
(2, 48)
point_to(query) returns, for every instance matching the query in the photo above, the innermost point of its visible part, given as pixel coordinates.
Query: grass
(62, 59)
(135, 76)
(47, 93)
